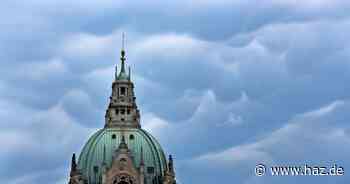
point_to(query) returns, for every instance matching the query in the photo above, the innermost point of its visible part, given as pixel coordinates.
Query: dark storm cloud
(249, 70)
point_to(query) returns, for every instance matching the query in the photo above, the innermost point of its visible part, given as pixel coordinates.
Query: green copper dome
(102, 145)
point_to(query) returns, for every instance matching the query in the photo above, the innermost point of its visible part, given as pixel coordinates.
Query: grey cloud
(304, 134)
(42, 138)
(196, 65)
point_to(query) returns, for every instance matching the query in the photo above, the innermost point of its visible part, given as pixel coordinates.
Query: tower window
(123, 119)
(114, 136)
(117, 111)
(131, 137)
(122, 111)
(122, 91)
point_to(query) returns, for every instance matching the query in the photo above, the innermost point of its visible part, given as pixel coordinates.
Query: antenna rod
(123, 41)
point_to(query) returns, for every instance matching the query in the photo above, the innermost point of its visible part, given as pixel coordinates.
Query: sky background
(223, 85)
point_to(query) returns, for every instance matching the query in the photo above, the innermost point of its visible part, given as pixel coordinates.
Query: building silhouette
(122, 152)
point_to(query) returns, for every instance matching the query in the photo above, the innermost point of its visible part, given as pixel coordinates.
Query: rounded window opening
(114, 136)
(131, 137)
(123, 119)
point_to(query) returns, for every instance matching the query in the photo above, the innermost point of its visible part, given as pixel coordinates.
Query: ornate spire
(122, 110)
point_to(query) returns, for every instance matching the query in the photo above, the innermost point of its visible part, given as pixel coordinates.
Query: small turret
(171, 164)
(74, 169)
(75, 175)
(169, 177)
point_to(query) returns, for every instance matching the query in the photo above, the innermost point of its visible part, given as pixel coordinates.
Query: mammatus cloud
(288, 132)
(305, 134)
(229, 82)
(35, 137)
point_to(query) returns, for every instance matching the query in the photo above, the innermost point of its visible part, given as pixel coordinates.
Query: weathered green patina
(108, 139)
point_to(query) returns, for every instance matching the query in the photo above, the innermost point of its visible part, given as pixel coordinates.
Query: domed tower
(122, 152)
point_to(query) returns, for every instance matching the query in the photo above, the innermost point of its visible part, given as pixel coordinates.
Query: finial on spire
(122, 58)
(123, 47)
(123, 41)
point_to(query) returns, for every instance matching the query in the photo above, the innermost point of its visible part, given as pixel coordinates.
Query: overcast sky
(223, 85)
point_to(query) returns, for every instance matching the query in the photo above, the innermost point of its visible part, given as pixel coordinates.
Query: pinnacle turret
(74, 169)
(171, 164)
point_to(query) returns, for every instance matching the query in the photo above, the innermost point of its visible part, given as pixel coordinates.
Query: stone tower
(122, 152)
